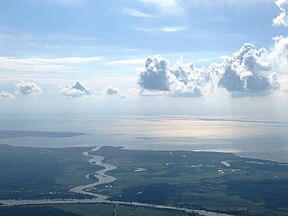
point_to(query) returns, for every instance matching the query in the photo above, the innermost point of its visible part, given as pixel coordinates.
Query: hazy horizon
(174, 57)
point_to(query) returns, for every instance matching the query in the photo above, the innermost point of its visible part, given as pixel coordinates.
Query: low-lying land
(32, 173)
(220, 182)
(214, 181)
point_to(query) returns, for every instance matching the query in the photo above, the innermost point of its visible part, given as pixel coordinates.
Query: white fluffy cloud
(77, 90)
(282, 19)
(279, 54)
(27, 88)
(155, 75)
(113, 91)
(178, 80)
(190, 81)
(247, 72)
(5, 94)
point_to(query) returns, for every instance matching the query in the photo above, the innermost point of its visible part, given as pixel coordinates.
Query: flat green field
(31, 173)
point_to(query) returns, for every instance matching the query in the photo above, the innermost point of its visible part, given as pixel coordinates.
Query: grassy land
(31, 173)
(212, 181)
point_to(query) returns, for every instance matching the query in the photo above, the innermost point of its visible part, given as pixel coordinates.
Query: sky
(196, 57)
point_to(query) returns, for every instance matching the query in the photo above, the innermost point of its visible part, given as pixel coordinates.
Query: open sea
(247, 137)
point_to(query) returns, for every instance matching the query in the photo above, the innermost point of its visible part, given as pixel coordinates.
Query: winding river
(100, 175)
(102, 178)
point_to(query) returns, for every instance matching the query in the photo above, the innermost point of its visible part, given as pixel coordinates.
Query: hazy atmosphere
(143, 107)
(104, 64)
(103, 57)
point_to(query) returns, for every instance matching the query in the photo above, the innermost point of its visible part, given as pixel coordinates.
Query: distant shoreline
(4, 134)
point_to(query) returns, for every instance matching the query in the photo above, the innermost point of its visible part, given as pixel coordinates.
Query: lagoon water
(249, 137)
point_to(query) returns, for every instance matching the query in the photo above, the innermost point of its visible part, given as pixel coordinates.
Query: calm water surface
(252, 137)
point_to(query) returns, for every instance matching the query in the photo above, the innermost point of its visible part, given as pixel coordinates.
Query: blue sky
(48, 45)
(29, 26)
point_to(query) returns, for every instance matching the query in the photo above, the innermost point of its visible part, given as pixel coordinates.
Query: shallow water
(249, 137)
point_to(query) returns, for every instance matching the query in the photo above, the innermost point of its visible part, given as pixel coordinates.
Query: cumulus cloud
(77, 90)
(155, 75)
(282, 19)
(113, 91)
(178, 80)
(27, 88)
(5, 94)
(279, 54)
(190, 81)
(247, 72)
(284, 85)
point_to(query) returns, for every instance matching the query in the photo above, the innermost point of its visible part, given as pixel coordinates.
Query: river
(102, 178)
(100, 175)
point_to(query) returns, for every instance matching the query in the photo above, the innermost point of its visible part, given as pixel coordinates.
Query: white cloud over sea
(77, 90)
(28, 89)
(248, 72)
(5, 94)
